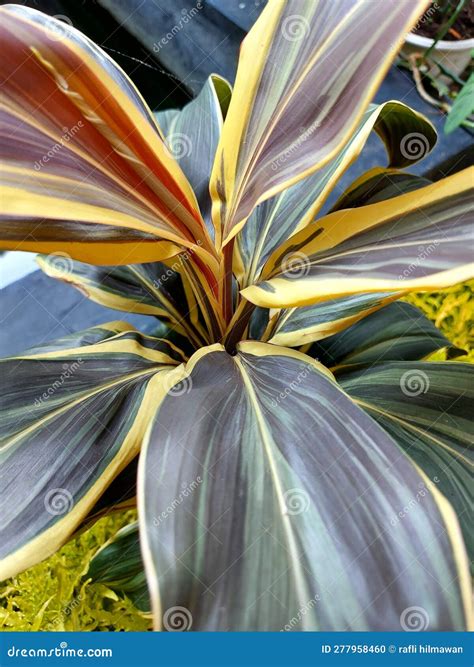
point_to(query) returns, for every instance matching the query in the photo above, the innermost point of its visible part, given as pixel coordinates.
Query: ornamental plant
(300, 466)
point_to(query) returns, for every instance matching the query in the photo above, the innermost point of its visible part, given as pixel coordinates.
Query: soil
(439, 13)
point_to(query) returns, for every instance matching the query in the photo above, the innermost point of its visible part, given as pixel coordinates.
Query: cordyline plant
(301, 466)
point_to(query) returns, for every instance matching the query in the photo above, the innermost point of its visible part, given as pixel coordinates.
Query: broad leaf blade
(378, 185)
(427, 409)
(420, 240)
(193, 134)
(397, 332)
(331, 55)
(70, 421)
(82, 150)
(257, 473)
(119, 566)
(300, 326)
(151, 289)
(278, 218)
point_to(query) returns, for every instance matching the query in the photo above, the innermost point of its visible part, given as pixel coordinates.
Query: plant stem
(446, 26)
(238, 325)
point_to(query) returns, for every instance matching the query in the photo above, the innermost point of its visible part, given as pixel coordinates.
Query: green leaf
(71, 420)
(427, 409)
(118, 565)
(462, 108)
(278, 218)
(265, 496)
(397, 332)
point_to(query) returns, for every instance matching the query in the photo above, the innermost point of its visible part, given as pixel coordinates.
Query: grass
(50, 596)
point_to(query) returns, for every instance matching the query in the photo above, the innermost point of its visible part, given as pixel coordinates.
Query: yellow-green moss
(50, 596)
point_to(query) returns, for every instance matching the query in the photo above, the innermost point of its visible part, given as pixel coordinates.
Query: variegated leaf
(86, 170)
(307, 71)
(278, 218)
(419, 240)
(192, 135)
(71, 420)
(118, 565)
(152, 289)
(258, 473)
(426, 407)
(397, 332)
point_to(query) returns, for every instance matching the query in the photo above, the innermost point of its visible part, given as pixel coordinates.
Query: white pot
(455, 56)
